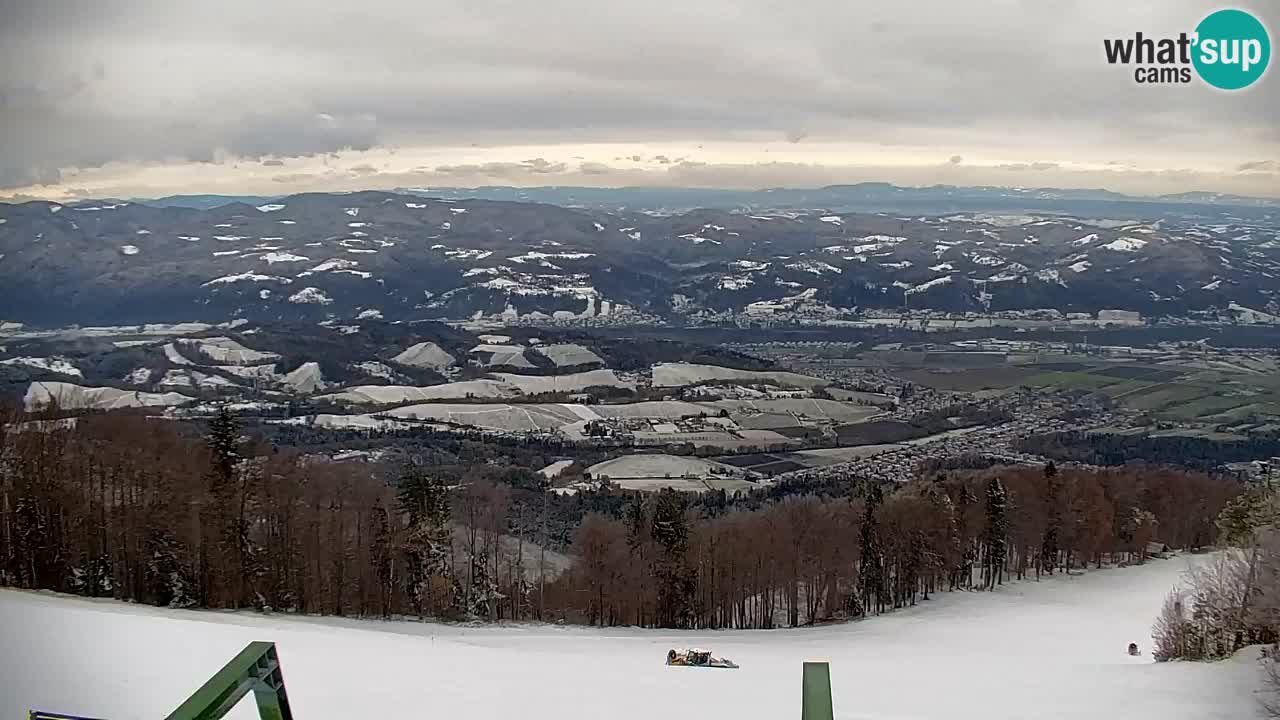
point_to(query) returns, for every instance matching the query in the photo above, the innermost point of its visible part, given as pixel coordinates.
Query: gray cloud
(87, 83)
(273, 163)
(1260, 166)
(955, 160)
(1028, 166)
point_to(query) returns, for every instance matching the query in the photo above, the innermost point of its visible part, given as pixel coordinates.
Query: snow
(129, 249)
(274, 257)
(353, 212)
(70, 396)
(310, 296)
(228, 351)
(554, 470)
(140, 376)
(926, 286)
(833, 219)
(1213, 285)
(1091, 237)
(306, 378)
(247, 277)
(1126, 244)
(370, 314)
(680, 374)
(1080, 267)
(815, 267)
(457, 211)
(1051, 650)
(414, 206)
(58, 365)
(270, 207)
(425, 354)
(373, 368)
(569, 354)
(172, 355)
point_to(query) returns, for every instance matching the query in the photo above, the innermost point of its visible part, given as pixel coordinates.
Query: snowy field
(1032, 650)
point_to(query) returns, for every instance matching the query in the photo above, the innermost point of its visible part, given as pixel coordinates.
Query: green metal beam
(256, 669)
(816, 692)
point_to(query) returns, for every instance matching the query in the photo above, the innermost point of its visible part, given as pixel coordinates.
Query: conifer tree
(871, 575)
(997, 533)
(425, 500)
(675, 582)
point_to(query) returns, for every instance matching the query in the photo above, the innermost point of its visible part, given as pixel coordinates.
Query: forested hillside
(166, 513)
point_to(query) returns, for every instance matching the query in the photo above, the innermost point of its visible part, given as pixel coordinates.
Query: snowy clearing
(425, 354)
(678, 374)
(1026, 650)
(59, 365)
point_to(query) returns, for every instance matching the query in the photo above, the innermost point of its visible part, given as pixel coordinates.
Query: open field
(678, 374)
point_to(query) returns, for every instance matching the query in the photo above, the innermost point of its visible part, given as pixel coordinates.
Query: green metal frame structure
(255, 670)
(815, 688)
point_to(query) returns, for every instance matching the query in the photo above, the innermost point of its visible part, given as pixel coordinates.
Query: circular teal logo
(1232, 49)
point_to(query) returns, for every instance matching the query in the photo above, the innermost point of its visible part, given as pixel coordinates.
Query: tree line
(808, 559)
(160, 512)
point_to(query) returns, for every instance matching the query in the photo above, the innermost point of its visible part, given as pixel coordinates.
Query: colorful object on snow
(694, 657)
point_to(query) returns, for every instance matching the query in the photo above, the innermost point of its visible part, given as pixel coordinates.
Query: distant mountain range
(872, 197)
(333, 257)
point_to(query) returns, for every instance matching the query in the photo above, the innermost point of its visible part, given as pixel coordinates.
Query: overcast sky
(127, 98)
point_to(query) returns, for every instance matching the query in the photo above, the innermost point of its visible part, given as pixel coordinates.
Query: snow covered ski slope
(1026, 651)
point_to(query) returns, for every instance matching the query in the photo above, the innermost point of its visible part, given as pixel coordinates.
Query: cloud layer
(237, 95)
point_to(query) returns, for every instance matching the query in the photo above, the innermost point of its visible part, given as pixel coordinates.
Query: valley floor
(1027, 650)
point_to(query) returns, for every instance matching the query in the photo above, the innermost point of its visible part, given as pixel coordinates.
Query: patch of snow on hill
(373, 368)
(531, 256)
(310, 296)
(926, 286)
(1126, 244)
(69, 396)
(189, 238)
(457, 211)
(278, 257)
(270, 207)
(59, 365)
(414, 206)
(228, 351)
(370, 314)
(306, 378)
(140, 376)
(1091, 237)
(833, 219)
(129, 249)
(230, 238)
(172, 355)
(1080, 266)
(815, 267)
(569, 355)
(353, 212)
(247, 277)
